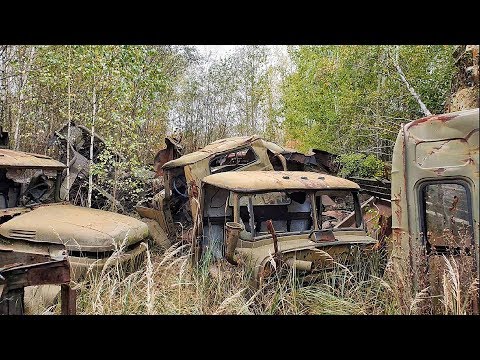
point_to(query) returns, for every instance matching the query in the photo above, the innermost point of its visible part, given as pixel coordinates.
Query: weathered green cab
(435, 194)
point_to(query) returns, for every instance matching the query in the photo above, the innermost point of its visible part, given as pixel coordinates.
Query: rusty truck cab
(435, 194)
(304, 218)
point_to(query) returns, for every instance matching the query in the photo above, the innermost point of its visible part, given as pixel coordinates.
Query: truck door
(446, 226)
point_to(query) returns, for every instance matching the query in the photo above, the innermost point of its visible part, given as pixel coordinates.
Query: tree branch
(410, 88)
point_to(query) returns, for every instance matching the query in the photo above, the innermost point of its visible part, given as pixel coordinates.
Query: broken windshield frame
(17, 186)
(295, 216)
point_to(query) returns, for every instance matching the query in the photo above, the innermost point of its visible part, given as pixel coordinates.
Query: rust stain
(442, 118)
(439, 171)
(193, 189)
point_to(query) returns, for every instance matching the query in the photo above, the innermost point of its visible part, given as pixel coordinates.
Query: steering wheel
(178, 191)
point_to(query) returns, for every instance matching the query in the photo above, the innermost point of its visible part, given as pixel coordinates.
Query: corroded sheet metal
(24, 264)
(253, 181)
(173, 150)
(18, 159)
(80, 229)
(316, 158)
(302, 247)
(439, 147)
(445, 126)
(218, 146)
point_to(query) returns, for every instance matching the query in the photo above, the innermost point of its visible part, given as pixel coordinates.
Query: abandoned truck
(171, 207)
(435, 194)
(31, 212)
(308, 214)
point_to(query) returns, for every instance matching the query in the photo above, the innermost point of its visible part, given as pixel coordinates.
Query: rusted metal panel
(257, 181)
(23, 264)
(215, 147)
(172, 151)
(18, 159)
(377, 215)
(442, 148)
(105, 194)
(322, 254)
(380, 188)
(53, 272)
(68, 300)
(317, 160)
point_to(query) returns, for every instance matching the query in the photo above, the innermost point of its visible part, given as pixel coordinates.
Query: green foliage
(133, 86)
(360, 165)
(346, 99)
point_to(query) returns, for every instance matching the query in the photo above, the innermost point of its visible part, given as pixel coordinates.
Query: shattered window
(337, 210)
(447, 214)
(232, 160)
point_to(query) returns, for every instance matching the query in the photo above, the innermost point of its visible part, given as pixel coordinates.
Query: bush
(360, 165)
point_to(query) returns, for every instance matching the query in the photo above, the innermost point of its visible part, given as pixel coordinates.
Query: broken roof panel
(255, 181)
(18, 159)
(215, 147)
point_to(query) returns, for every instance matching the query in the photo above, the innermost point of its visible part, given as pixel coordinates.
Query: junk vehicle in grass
(306, 220)
(33, 219)
(107, 194)
(172, 212)
(435, 196)
(171, 207)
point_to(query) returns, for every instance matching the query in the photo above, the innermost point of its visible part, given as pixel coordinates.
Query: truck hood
(79, 228)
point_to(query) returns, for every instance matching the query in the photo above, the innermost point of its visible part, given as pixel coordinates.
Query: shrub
(360, 165)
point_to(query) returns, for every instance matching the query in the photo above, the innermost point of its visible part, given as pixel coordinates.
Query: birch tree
(92, 138)
(69, 125)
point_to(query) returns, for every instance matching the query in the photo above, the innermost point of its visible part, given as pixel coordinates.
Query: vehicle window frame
(359, 219)
(255, 235)
(233, 151)
(422, 208)
(57, 183)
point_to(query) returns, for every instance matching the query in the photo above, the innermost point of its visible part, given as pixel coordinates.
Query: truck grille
(23, 234)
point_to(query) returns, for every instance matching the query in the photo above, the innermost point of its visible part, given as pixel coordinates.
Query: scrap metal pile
(105, 195)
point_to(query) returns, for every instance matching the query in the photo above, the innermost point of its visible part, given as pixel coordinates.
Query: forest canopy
(342, 99)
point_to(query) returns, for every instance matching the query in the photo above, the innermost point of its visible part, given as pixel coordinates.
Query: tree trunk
(92, 138)
(67, 198)
(23, 81)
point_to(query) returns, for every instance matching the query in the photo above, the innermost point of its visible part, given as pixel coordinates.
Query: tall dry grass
(165, 282)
